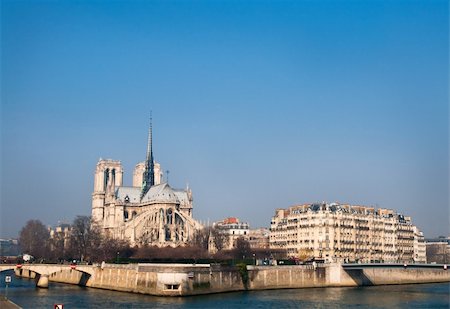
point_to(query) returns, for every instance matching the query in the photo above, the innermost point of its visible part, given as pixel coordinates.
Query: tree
(169, 253)
(305, 254)
(201, 238)
(34, 238)
(110, 249)
(57, 246)
(219, 238)
(242, 248)
(437, 253)
(84, 238)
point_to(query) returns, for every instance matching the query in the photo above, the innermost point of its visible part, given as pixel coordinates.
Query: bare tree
(242, 248)
(111, 249)
(85, 239)
(437, 253)
(219, 238)
(34, 238)
(57, 246)
(169, 253)
(201, 238)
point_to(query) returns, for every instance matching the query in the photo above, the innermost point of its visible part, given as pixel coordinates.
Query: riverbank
(7, 304)
(198, 279)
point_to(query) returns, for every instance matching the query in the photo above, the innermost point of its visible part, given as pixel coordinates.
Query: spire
(149, 173)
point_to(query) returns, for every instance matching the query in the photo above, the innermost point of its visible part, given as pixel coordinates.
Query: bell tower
(108, 175)
(138, 174)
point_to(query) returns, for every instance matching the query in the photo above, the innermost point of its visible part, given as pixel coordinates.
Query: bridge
(43, 271)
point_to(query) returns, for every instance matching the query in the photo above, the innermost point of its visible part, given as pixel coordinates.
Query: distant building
(60, 233)
(259, 238)
(340, 232)
(438, 250)
(9, 247)
(420, 250)
(63, 228)
(150, 212)
(233, 229)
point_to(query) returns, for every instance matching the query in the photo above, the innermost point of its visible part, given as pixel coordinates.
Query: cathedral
(148, 213)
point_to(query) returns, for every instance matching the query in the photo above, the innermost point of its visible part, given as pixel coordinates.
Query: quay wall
(196, 279)
(157, 279)
(388, 275)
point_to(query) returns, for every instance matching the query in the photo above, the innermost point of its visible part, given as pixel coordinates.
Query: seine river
(24, 293)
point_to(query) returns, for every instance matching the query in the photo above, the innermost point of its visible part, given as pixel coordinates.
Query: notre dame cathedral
(148, 213)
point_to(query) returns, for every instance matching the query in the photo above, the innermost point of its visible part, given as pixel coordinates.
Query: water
(24, 293)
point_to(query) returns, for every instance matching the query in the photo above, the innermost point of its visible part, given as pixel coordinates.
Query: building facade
(438, 250)
(259, 238)
(338, 232)
(230, 229)
(150, 212)
(9, 247)
(420, 248)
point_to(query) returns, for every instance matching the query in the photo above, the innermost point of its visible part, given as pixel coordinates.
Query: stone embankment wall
(157, 279)
(388, 275)
(181, 280)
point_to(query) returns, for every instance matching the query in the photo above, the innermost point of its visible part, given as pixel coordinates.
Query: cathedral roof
(183, 196)
(133, 194)
(161, 193)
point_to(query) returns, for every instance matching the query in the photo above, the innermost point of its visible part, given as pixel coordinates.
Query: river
(24, 293)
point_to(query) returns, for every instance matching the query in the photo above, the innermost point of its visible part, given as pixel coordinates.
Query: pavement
(7, 304)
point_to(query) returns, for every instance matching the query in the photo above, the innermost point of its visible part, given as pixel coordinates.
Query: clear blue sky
(256, 104)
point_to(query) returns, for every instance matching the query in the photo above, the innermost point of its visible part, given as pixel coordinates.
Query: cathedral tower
(138, 174)
(108, 176)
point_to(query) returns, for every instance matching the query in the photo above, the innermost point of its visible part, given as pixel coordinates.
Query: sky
(256, 105)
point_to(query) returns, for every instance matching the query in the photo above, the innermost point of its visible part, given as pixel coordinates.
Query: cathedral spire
(149, 173)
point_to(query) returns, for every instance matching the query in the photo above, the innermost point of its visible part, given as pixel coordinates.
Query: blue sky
(256, 104)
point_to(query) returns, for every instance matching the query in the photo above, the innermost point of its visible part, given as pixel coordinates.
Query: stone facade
(148, 213)
(228, 230)
(197, 279)
(234, 229)
(259, 238)
(420, 250)
(438, 250)
(342, 233)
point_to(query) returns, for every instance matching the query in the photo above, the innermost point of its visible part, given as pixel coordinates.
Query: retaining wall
(182, 279)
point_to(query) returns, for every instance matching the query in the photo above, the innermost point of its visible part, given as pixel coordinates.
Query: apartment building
(342, 232)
